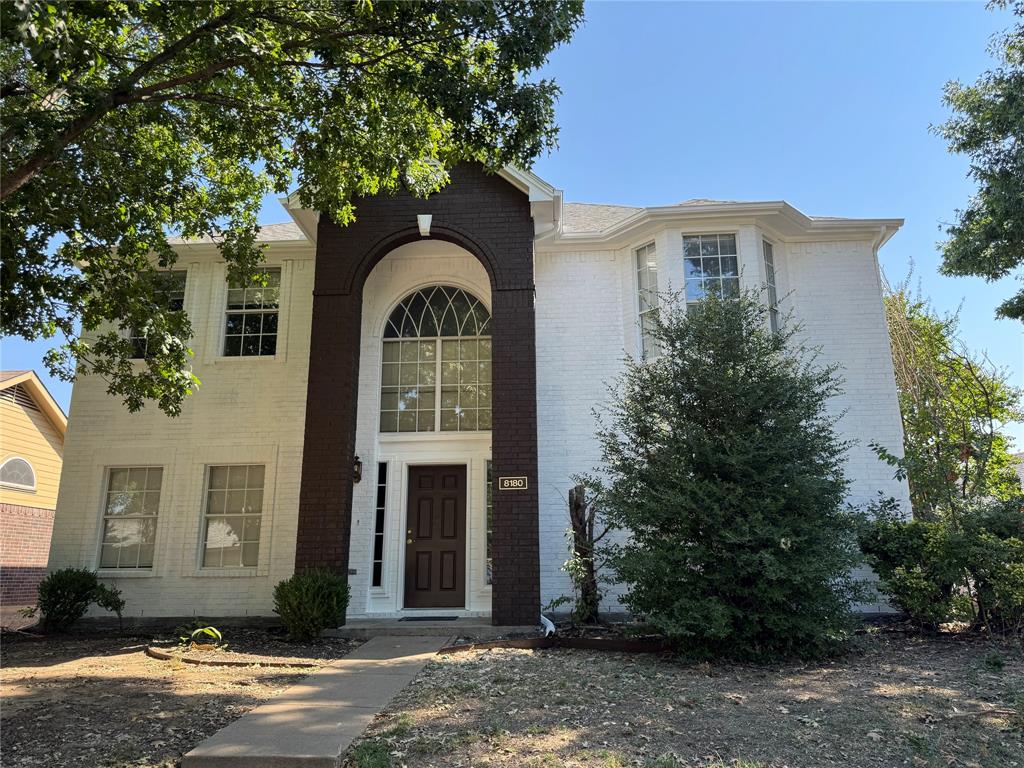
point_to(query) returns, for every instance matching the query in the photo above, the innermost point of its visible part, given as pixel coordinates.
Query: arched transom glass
(436, 363)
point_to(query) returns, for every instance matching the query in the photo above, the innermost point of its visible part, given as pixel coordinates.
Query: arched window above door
(436, 363)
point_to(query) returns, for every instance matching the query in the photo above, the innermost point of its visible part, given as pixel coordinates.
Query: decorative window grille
(378, 524)
(436, 363)
(16, 472)
(129, 517)
(250, 329)
(172, 297)
(773, 297)
(647, 297)
(710, 266)
(234, 512)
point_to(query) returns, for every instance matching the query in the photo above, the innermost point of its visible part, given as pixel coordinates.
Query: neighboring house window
(234, 511)
(490, 518)
(129, 517)
(378, 524)
(18, 473)
(436, 363)
(647, 297)
(773, 296)
(250, 329)
(710, 266)
(171, 296)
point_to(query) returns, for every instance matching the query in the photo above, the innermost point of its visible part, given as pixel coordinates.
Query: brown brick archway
(490, 218)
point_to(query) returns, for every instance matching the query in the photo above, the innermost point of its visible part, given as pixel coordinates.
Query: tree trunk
(582, 520)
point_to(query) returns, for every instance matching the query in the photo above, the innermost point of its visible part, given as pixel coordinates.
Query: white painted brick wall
(252, 411)
(248, 410)
(586, 322)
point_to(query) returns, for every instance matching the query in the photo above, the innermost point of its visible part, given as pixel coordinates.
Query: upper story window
(129, 517)
(16, 472)
(171, 296)
(711, 266)
(436, 363)
(773, 296)
(250, 328)
(647, 296)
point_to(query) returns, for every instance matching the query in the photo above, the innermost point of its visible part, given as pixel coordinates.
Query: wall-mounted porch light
(357, 470)
(423, 220)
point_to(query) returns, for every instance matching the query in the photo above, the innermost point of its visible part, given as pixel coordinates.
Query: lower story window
(129, 517)
(234, 511)
(378, 524)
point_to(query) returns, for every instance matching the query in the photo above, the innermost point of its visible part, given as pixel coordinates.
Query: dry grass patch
(900, 700)
(102, 703)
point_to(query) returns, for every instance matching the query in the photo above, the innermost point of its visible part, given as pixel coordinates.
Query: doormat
(428, 618)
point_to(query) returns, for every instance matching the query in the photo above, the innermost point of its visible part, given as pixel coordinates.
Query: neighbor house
(32, 429)
(408, 397)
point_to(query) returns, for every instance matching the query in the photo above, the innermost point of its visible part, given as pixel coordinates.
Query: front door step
(312, 723)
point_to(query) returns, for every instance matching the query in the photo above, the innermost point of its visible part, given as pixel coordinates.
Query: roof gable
(28, 382)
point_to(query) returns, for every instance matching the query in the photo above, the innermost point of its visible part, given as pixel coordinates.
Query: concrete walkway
(312, 723)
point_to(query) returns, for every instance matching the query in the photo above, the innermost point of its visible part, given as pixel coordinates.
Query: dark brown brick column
(515, 537)
(490, 218)
(328, 456)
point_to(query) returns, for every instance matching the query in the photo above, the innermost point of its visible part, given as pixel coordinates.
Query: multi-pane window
(250, 328)
(436, 363)
(18, 473)
(378, 523)
(710, 266)
(647, 297)
(234, 511)
(171, 295)
(129, 517)
(773, 296)
(490, 519)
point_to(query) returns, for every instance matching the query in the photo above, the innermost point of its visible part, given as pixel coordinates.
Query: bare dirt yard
(101, 702)
(897, 700)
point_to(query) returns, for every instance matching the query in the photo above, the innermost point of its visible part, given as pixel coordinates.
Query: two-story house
(408, 398)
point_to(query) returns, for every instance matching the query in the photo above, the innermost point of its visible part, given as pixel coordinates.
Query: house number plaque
(511, 483)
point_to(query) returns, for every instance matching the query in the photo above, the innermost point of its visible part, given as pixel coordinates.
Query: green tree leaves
(953, 405)
(987, 238)
(721, 461)
(127, 123)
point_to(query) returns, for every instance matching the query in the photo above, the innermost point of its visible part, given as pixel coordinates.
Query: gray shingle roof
(268, 233)
(590, 217)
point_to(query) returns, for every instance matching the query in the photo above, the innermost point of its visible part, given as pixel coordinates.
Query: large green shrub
(968, 564)
(723, 465)
(310, 602)
(65, 596)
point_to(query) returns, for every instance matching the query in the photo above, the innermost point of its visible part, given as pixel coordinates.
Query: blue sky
(826, 105)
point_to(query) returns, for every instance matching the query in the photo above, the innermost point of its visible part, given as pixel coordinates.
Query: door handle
(408, 541)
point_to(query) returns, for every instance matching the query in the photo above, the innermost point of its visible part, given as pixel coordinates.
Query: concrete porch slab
(478, 627)
(312, 723)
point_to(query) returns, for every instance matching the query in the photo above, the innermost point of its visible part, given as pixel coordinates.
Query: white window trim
(638, 331)
(734, 232)
(20, 486)
(262, 557)
(104, 492)
(771, 287)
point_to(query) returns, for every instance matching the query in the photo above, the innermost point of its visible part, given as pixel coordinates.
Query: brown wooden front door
(435, 548)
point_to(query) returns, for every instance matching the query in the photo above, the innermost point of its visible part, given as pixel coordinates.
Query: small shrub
(65, 596)
(966, 565)
(310, 602)
(200, 633)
